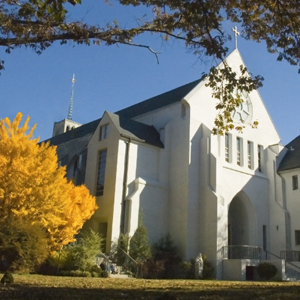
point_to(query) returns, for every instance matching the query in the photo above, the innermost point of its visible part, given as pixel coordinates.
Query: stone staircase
(291, 273)
(119, 273)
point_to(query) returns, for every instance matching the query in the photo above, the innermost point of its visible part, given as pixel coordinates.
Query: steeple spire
(70, 112)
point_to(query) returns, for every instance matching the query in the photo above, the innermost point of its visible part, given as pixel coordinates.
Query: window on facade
(259, 156)
(295, 182)
(264, 237)
(104, 132)
(102, 229)
(101, 172)
(238, 150)
(227, 147)
(297, 237)
(249, 154)
(76, 165)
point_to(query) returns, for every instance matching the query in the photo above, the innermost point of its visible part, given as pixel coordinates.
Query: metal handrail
(286, 262)
(290, 255)
(130, 264)
(242, 252)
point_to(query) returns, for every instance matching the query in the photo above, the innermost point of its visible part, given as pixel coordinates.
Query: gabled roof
(291, 160)
(137, 131)
(157, 102)
(138, 109)
(76, 133)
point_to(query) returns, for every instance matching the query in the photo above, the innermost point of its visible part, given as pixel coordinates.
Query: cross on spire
(236, 33)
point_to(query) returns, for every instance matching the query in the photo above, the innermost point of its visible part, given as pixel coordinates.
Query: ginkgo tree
(35, 189)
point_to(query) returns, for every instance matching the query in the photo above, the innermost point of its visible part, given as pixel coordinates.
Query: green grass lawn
(59, 288)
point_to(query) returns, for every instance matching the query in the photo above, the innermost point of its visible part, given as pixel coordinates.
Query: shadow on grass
(24, 292)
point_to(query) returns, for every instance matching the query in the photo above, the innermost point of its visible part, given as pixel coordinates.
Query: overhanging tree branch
(198, 23)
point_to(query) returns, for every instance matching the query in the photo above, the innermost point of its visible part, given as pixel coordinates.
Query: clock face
(243, 112)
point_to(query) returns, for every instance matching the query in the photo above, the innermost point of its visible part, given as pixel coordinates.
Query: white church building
(232, 197)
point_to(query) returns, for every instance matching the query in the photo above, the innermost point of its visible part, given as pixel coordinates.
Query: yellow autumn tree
(34, 188)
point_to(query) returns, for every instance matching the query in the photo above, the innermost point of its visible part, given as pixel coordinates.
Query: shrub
(266, 271)
(7, 278)
(96, 269)
(208, 270)
(104, 274)
(79, 255)
(94, 274)
(165, 262)
(139, 248)
(120, 255)
(23, 245)
(185, 270)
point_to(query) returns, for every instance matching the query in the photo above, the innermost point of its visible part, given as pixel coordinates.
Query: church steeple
(66, 124)
(70, 111)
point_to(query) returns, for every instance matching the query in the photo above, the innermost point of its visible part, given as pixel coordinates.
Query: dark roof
(291, 160)
(76, 133)
(157, 102)
(73, 142)
(136, 130)
(138, 109)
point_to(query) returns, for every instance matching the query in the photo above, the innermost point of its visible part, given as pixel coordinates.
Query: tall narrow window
(101, 172)
(264, 237)
(249, 154)
(104, 132)
(295, 182)
(259, 156)
(297, 237)
(238, 150)
(103, 232)
(226, 147)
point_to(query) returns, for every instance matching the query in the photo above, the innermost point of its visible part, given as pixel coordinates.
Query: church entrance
(241, 226)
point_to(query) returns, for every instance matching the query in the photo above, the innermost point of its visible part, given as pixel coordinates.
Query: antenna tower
(70, 112)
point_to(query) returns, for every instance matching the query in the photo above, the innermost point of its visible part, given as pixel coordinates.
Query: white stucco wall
(186, 189)
(109, 203)
(146, 196)
(292, 205)
(221, 181)
(235, 269)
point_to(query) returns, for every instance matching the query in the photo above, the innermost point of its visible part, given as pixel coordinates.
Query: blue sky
(111, 78)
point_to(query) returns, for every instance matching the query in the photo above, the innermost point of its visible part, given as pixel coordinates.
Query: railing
(242, 252)
(290, 255)
(128, 262)
(286, 254)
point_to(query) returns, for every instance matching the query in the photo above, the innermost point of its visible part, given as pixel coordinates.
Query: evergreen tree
(122, 249)
(139, 248)
(79, 255)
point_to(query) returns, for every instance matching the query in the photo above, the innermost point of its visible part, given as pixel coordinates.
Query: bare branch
(147, 47)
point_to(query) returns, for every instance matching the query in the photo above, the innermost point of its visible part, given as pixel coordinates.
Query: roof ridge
(158, 101)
